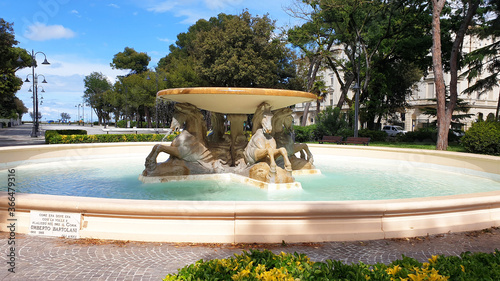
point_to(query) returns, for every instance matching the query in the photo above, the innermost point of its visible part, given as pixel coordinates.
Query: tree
(141, 93)
(39, 115)
(352, 37)
(390, 86)
(131, 59)
(331, 122)
(65, 116)
(10, 106)
(230, 51)
(95, 85)
(20, 107)
(487, 58)
(462, 18)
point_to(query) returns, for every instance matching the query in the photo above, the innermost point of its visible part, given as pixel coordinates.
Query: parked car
(392, 131)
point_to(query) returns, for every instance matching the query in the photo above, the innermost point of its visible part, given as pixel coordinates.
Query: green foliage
(53, 135)
(96, 85)
(373, 134)
(131, 59)
(331, 122)
(428, 134)
(304, 133)
(80, 136)
(10, 105)
(265, 265)
(230, 51)
(483, 138)
(421, 135)
(384, 43)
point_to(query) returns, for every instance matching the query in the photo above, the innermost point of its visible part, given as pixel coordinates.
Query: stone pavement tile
(43, 258)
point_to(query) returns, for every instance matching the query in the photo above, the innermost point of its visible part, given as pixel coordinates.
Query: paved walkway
(21, 135)
(42, 258)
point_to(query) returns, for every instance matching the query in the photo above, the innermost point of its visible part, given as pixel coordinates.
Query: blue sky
(79, 37)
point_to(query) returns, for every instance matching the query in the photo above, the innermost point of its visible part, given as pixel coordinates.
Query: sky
(79, 37)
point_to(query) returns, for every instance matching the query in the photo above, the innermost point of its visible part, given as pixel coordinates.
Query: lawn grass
(428, 146)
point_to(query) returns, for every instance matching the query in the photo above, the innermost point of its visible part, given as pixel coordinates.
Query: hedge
(53, 137)
(483, 137)
(49, 134)
(265, 265)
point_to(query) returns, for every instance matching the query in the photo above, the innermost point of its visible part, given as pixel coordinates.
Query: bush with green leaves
(265, 265)
(373, 134)
(54, 134)
(304, 133)
(331, 122)
(65, 139)
(428, 134)
(483, 138)
(123, 124)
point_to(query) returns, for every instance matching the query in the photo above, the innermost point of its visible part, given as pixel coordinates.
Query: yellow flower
(394, 270)
(433, 259)
(463, 268)
(240, 275)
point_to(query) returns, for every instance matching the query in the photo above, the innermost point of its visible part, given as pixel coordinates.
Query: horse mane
(279, 116)
(263, 109)
(193, 112)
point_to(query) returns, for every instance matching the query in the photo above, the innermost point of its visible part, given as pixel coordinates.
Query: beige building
(481, 103)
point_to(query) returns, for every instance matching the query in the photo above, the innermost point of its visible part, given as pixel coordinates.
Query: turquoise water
(342, 178)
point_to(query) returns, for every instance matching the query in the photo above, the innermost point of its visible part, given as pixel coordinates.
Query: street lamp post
(34, 132)
(356, 108)
(357, 88)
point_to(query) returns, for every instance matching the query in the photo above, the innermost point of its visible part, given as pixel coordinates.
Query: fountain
(193, 153)
(223, 155)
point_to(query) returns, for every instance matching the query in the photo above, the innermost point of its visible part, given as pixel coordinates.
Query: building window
(430, 91)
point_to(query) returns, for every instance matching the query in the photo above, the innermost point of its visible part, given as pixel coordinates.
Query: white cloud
(163, 7)
(114, 6)
(165, 40)
(42, 32)
(221, 4)
(74, 12)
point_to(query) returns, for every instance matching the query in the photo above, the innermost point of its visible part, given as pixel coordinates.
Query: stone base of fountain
(232, 177)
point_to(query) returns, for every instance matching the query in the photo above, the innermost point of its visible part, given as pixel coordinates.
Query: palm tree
(319, 89)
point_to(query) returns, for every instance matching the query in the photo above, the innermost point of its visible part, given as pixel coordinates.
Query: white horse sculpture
(282, 127)
(262, 146)
(190, 146)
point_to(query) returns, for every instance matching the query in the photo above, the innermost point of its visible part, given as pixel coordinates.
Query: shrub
(483, 138)
(64, 139)
(330, 122)
(304, 133)
(420, 135)
(428, 134)
(373, 135)
(265, 265)
(52, 135)
(123, 124)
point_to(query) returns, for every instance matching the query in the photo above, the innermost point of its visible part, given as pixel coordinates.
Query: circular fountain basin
(262, 221)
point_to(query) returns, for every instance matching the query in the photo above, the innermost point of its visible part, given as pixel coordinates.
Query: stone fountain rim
(258, 221)
(235, 100)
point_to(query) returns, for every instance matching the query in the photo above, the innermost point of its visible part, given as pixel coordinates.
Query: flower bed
(265, 265)
(76, 136)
